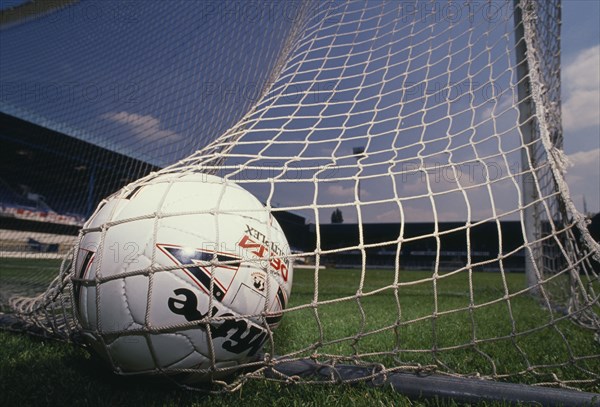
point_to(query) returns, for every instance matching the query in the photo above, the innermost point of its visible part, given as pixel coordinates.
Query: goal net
(411, 150)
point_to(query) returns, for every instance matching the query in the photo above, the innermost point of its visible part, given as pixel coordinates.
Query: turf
(463, 336)
(35, 372)
(26, 276)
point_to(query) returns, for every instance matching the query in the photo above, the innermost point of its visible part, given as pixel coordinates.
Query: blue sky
(98, 48)
(581, 99)
(138, 80)
(580, 93)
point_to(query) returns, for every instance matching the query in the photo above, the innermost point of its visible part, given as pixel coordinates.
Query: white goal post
(433, 127)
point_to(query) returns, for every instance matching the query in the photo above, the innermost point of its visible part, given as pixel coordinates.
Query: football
(180, 274)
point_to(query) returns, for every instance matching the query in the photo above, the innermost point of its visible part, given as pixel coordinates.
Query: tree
(337, 217)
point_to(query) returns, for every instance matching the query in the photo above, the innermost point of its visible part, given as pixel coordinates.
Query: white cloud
(340, 191)
(498, 107)
(585, 158)
(583, 177)
(581, 88)
(144, 127)
(345, 192)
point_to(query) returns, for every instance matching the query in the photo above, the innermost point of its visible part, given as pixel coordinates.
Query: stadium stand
(420, 254)
(71, 178)
(49, 184)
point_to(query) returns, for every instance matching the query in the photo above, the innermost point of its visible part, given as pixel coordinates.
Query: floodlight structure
(358, 152)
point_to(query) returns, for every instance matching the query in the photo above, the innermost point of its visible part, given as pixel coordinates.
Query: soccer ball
(180, 274)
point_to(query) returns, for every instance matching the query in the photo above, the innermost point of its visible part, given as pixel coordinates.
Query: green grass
(26, 276)
(419, 331)
(36, 372)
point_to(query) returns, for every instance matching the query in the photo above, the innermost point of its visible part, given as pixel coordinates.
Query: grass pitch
(495, 333)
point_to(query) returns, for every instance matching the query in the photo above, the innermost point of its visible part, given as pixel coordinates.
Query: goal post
(431, 130)
(528, 134)
(424, 385)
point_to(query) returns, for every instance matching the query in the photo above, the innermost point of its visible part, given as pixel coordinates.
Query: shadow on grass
(42, 372)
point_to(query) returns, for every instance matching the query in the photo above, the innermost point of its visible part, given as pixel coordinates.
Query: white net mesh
(433, 127)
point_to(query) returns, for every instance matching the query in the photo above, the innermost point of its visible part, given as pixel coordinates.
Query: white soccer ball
(150, 256)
